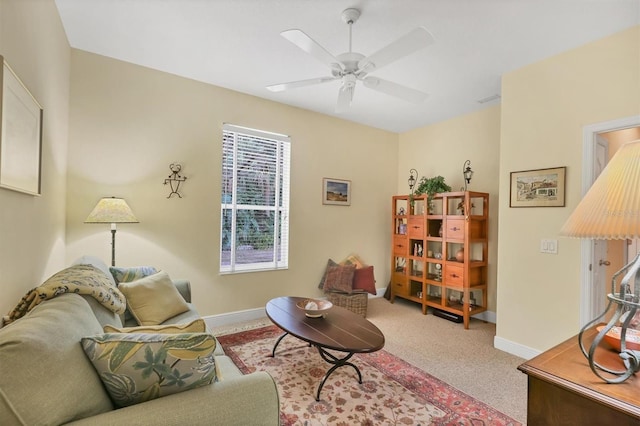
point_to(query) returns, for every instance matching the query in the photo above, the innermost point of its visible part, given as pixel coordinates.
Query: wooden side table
(564, 391)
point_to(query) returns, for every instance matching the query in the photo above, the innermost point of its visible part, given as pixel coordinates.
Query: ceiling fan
(351, 66)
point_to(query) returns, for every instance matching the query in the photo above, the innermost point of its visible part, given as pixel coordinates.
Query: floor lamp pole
(113, 244)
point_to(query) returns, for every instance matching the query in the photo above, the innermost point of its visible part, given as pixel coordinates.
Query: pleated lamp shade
(611, 208)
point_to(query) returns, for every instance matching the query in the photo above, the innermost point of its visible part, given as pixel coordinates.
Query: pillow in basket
(340, 278)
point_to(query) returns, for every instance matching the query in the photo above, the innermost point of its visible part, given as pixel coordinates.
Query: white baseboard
(515, 348)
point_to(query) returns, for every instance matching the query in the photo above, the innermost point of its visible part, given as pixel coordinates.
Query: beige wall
(545, 107)
(442, 149)
(32, 233)
(128, 123)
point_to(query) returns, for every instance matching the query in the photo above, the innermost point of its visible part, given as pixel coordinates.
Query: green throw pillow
(138, 367)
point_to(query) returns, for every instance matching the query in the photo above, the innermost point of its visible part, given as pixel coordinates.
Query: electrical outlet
(549, 246)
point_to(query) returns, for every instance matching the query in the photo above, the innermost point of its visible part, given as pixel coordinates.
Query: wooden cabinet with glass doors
(439, 252)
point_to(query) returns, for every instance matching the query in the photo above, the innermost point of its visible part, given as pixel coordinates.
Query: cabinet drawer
(453, 275)
(400, 246)
(416, 228)
(400, 285)
(455, 229)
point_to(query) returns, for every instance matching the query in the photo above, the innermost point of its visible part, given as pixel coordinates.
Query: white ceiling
(236, 44)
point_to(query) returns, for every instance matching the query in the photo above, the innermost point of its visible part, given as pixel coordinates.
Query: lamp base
(626, 304)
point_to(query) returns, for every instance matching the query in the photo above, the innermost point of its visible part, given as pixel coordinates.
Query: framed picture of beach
(336, 192)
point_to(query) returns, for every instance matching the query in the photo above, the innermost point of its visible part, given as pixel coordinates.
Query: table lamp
(611, 211)
(112, 210)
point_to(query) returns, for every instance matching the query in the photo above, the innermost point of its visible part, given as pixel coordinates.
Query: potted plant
(431, 186)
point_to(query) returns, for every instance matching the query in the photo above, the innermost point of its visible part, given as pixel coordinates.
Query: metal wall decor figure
(175, 179)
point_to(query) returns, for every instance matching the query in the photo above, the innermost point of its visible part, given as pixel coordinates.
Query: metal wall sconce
(175, 179)
(413, 178)
(467, 173)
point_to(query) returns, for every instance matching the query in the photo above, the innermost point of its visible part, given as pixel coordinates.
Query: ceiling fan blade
(394, 89)
(309, 45)
(301, 83)
(413, 41)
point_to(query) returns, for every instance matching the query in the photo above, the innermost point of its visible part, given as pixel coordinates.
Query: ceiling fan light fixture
(353, 66)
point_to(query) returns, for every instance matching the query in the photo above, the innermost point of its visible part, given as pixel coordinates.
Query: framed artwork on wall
(21, 137)
(538, 188)
(336, 192)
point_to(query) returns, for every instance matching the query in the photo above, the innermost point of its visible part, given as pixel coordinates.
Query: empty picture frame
(336, 192)
(538, 188)
(21, 137)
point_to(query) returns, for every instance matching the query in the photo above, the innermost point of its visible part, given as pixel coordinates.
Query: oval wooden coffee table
(340, 330)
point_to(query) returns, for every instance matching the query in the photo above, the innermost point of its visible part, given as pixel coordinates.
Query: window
(254, 234)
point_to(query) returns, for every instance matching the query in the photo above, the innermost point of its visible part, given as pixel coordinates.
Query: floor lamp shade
(112, 210)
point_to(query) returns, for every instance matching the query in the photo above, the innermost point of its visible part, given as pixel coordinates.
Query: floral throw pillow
(125, 275)
(140, 367)
(339, 278)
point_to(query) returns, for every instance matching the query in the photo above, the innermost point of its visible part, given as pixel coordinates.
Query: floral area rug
(393, 392)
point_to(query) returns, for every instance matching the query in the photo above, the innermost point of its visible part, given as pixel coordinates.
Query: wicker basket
(355, 302)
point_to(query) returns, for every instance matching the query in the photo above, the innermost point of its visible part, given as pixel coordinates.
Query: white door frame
(586, 248)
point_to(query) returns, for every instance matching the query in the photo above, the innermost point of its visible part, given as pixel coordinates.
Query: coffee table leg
(273, 352)
(337, 363)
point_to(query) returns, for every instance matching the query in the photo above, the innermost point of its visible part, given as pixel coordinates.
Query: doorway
(601, 259)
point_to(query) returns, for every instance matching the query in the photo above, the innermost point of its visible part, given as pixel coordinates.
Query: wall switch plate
(549, 246)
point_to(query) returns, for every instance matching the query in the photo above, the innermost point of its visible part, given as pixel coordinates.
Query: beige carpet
(465, 359)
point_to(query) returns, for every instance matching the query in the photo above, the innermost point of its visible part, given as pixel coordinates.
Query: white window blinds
(255, 200)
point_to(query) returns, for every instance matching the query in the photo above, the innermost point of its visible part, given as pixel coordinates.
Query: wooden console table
(564, 391)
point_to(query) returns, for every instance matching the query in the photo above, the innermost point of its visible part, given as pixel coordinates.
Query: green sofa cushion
(45, 377)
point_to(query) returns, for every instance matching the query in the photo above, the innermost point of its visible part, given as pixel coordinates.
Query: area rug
(393, 392)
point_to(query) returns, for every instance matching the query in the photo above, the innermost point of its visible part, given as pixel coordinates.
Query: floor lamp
(611, 211)
(112, 210)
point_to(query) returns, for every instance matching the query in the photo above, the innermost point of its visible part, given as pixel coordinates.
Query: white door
(599, 261)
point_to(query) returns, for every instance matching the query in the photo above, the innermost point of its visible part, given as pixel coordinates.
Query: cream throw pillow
(153, 299)
(195, 326)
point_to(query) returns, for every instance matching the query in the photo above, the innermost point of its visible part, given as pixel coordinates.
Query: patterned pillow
(363, 279)
(324, 276)
(125, 275)
(339, 278)
(195, 326)
(136, 367)
(153, 299)
(353, 259)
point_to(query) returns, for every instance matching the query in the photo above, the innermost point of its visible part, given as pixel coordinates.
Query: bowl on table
(314, 308)
(613, 337)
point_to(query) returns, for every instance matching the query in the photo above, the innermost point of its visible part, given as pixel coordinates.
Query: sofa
(47, 377)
